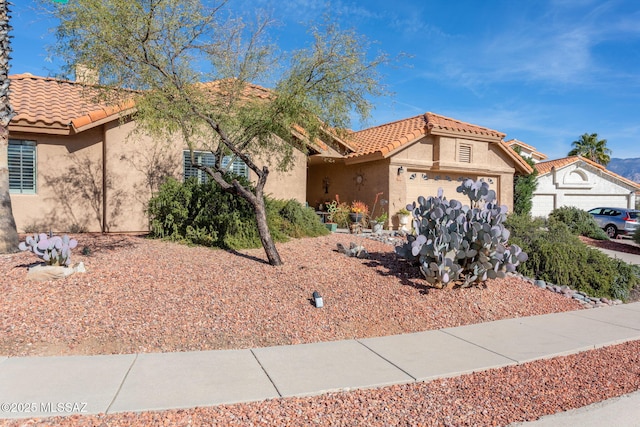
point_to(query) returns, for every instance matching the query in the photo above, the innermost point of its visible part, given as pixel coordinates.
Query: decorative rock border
(580, 296)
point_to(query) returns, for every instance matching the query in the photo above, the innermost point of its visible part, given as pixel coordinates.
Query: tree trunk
(256, 199)
(8, 233)
(265, 235)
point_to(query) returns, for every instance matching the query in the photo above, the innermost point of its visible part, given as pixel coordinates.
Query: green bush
(204, 214)
(292, 219)
(579, 222)
(558, 256)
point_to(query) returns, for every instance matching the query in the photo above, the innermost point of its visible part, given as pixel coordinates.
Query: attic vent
(464, 153)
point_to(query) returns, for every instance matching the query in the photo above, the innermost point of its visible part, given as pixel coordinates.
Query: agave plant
(54, 250)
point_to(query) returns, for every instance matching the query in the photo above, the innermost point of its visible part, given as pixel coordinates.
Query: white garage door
(542, 204)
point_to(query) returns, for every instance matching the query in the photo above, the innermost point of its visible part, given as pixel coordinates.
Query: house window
(22, 166)
(464, 153)
(207, 158)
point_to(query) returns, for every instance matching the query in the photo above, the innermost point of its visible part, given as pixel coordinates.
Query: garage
(425, 183)
(582, 183)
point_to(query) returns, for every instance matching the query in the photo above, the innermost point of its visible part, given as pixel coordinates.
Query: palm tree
(8, 232)
(592, 148)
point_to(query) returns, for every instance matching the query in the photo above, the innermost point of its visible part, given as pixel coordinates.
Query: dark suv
(615, 221)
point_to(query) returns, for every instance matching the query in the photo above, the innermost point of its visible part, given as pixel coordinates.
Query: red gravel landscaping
(142, 295)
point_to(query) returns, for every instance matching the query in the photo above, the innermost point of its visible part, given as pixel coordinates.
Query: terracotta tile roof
(386, 138)
(546, 167)
(48, 103)
(437, 122)
(51, 103)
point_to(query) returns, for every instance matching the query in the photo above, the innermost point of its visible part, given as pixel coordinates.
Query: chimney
(87, 75)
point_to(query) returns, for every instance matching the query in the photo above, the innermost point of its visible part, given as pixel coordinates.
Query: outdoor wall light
(400, 170)
(317, 299)
(325, 184)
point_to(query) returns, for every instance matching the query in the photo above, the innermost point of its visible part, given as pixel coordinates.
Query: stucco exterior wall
(66, 169)
(70, 186)
(423, 174)
(344, 181)
(136, 166)
(581, 187)
(419, 169)
(291, 184)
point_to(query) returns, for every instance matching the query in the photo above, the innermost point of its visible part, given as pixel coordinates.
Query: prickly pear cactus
(54, 250)
(461, 245)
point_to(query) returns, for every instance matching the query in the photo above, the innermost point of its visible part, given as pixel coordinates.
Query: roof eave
(40, 128)
(95, 123)
(524, 167)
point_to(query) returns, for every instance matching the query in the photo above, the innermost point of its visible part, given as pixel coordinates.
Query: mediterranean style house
(77, 166)
(415, 157)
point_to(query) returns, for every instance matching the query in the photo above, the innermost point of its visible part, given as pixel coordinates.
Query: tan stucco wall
(343, 181)
(136, 166)
(291, 184)
(61, 163)
(69, 189)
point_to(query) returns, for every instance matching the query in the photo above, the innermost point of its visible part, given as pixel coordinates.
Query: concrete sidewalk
(48, 386)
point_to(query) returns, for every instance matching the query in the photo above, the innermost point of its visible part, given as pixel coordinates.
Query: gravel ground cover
(141, 295)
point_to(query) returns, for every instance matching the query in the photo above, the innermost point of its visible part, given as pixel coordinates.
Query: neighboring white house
(580, 182)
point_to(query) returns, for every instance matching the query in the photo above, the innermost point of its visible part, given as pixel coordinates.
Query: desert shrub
(461, 245)
(204, 214)
(628, 277)
(558, 256)
(297, 220)
(579, 222)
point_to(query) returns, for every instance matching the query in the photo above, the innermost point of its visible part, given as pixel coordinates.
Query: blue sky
(541, 71)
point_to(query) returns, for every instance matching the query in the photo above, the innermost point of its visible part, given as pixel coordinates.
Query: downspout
(104, 178)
